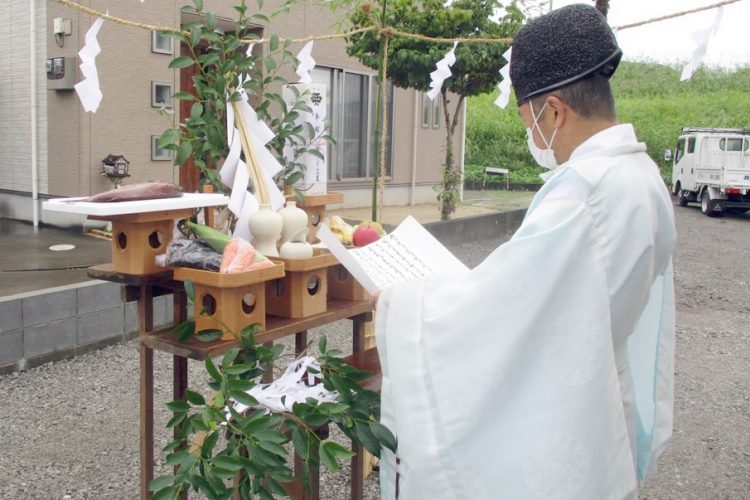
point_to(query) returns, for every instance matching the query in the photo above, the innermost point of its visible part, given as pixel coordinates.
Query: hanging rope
(381, 31)
(677, 14)
(394, 33)
(118, 20)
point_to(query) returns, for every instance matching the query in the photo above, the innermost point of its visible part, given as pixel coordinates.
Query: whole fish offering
(144, 191)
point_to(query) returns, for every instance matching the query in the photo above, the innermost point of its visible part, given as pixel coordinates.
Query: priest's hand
(374, 299)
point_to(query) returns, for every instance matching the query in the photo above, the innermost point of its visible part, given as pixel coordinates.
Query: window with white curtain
(436, 111)
(351, 115)
(426, 108)
(431, 111)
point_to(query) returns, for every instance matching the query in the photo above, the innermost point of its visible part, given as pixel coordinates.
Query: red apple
(364, 236)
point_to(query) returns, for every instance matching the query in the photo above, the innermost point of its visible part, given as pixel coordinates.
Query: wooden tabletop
(276, 328)
(107, 272)
(162, 283)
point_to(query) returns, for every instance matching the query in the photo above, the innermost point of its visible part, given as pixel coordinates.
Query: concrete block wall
(477, 228)
(61, 322)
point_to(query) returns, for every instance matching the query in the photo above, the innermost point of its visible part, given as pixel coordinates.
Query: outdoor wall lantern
(115, 168)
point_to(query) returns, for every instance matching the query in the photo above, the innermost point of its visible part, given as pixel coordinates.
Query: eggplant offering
(144, 191)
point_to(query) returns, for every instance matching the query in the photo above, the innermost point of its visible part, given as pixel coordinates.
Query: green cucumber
(214, 238)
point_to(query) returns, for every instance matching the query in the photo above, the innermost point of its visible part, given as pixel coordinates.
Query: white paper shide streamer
(306, 63)
(504, 86)
(701, 39)
(442, 73)
(313, 95)
(294, 386)
(234, 173)
(88, 89)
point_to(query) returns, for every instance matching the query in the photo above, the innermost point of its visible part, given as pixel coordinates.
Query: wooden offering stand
(303, 291)
(146, 234)
(144, 288)
(315, 207)
(229, 301)
(138, 238)
(342, 285)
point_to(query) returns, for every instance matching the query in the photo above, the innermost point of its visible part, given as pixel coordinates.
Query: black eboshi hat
(560, 48)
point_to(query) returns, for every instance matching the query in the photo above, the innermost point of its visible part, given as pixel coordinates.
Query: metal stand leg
(300, 342)
(145, 324)
(179, 363)
(358, 331)
(357, 485)
(357, 463)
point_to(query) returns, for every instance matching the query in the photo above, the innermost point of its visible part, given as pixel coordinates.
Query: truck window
(731, 144)
(691, 145)
(679, 150)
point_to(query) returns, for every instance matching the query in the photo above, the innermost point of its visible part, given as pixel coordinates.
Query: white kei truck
(712, 166)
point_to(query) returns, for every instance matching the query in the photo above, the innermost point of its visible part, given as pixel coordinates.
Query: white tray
(187, 200)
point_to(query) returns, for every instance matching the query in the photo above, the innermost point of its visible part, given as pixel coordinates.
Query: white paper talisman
(316, 169)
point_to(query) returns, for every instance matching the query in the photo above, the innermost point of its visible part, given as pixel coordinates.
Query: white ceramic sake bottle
(296, 250)
(265, 226)
(295, 219)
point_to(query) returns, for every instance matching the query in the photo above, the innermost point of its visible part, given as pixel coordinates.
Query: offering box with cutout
(229, 301)
(141, 229)
(303, 291)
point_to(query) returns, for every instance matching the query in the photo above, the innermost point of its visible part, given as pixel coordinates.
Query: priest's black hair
(590, 97)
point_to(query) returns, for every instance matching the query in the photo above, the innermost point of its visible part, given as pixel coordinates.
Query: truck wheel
(682, 198)
(708, 205)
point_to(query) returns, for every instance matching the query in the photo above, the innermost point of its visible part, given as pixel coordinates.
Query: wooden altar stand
(143, 289)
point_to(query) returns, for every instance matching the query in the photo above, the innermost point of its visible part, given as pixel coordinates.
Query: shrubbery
(648, 95)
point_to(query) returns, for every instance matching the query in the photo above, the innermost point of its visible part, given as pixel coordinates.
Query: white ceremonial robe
(545, 372)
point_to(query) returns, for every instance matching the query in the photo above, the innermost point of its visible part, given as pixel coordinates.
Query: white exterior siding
(15, 97)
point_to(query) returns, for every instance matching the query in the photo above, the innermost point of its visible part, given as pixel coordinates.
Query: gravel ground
(71, 428)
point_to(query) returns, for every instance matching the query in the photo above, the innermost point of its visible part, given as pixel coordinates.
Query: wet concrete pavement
(27, 263)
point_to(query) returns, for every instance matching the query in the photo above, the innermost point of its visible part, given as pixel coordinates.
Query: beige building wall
(76, 141)
(125, 120)
(312, 18)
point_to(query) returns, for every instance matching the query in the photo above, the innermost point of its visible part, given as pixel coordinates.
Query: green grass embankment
(648, 95)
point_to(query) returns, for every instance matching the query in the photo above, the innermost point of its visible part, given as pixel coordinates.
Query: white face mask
(544, 157)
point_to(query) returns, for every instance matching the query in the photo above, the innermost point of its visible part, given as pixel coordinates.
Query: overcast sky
(671, 41)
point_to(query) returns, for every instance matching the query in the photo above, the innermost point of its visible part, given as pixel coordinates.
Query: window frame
(337, 82)
(161, 44)
(680, 149)
(426, 110)
(436, 106)
(691, 145)
(156, 89)
(723, 144)
(431, 115)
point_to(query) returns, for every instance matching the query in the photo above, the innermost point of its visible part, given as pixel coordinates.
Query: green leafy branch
(221, 63)
(253, 460)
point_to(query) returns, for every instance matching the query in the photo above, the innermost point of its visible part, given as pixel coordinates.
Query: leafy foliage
(221, 63)
(252, 460)
(648, 95)
(497, 138)
(474, 177)
(410, 61)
